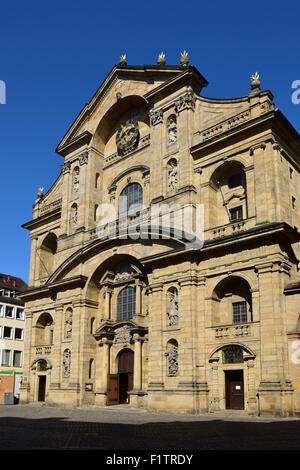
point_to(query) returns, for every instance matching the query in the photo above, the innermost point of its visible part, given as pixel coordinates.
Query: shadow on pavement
(59, 433)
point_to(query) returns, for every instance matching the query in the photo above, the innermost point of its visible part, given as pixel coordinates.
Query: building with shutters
(123, 305)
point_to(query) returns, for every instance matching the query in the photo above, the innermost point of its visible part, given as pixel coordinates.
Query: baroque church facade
(121, 310)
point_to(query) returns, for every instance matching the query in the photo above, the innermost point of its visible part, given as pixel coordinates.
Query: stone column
(57, 350)
(102, 369)
(156, 351)
(250, 190)
(137, 374)
(252, 401)
(107, 305)
(106, 362)
(66, 167)
(32, 273)
(138, 301)
(261, 204)
(215, 401)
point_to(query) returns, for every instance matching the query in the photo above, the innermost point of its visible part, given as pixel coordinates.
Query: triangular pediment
(121, 82)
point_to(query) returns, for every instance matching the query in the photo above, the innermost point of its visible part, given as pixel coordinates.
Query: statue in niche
(67, 363)
(68, 324)
(75, 182)
(172, 131)
(172, 309)
(172, 360)
(173, 176)
(74, 216)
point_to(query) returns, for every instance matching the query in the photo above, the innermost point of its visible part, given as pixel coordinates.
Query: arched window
(97, 181)
(95, 212)
(92, 324)
(91, 368)
(232, 355)
(126, 303)
(131, 199)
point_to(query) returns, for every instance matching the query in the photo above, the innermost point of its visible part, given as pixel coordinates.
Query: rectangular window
(294, 202)
(5, 358)
(239, 312)
(20, 314)
(7, 332)
(9, 312)
(6, 293)
(1, 310)
(236, 213)
(19, 333)
(291, 173)
(17, 362)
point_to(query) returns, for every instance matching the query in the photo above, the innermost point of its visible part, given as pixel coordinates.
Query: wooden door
(234, 385)
(42, 388)
(112, 389)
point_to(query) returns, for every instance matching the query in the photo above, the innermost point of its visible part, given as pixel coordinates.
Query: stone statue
(68, 324)
(172, 310)
(173, 177)
(74, 216)
(172, 360)
(172, 131)
(75, 182)
(67, 363)
(40, 193)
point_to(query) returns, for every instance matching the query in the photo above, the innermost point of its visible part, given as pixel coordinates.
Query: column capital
(261, 146)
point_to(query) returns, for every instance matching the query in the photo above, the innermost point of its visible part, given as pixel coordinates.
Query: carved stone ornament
(122, 335)
(172, 361)
(156, 116)
(75, 182)
(124, 276)
(74, 216)
(172, 131)
(68, 324)
(65, 168)
(172, 309)
(67, 363)
(173, 177)
(127, 138)
(186, 101)
(83, 158)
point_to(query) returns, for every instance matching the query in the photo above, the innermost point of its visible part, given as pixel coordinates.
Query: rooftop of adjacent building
(10, 286)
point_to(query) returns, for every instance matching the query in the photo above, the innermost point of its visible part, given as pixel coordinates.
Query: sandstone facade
(154, 320)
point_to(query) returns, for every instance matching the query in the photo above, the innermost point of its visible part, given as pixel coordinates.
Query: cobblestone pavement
(122, 428)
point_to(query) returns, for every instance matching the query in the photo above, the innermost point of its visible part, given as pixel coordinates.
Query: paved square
(122, 428)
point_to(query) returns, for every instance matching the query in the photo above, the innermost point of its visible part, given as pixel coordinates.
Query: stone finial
(255, 84)
(40, 193)
(184, 60)
(161, 60)
(123, 59)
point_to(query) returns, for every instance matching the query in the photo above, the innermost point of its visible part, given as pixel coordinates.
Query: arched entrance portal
(125, 372)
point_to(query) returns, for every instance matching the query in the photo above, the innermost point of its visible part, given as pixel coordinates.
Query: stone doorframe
(34, 382)
(218, 368)
(113, 337)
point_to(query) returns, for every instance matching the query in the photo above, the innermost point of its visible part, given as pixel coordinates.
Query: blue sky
(54, 56)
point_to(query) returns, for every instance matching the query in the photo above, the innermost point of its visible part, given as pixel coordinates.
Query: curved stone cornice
(144, 169)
